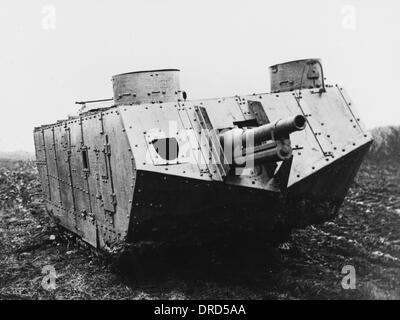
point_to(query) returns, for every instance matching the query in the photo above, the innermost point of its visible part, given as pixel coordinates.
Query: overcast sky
(54, 53)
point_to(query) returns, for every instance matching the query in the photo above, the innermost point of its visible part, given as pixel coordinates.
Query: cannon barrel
(273, 131)
(267, 143)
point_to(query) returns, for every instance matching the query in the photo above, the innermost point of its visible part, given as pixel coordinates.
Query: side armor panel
(83, 166)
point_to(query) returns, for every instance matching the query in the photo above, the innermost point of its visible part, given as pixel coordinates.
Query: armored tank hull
(151, 166)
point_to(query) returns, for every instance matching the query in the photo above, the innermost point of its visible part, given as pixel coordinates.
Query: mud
(365, 235)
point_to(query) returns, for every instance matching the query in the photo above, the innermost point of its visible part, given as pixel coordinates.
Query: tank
(151, 166)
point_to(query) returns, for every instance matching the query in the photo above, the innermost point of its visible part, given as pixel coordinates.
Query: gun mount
(266, 143)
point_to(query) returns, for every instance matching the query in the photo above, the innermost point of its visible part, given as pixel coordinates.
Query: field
(365, 235)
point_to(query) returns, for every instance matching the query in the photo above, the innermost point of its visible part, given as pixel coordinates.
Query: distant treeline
(386, 144)
(17, 155)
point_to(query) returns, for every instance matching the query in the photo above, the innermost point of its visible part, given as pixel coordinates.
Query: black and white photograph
(203, 152)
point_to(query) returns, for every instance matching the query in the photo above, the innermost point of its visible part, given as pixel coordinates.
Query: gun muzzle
(273, 131)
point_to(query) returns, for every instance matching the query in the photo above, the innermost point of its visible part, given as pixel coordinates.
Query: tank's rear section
(86, 164)
(88, 175)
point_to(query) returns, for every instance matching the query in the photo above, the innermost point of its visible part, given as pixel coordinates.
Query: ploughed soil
(365, 235)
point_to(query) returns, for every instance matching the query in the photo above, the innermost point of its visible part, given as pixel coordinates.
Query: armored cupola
(154, 86)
